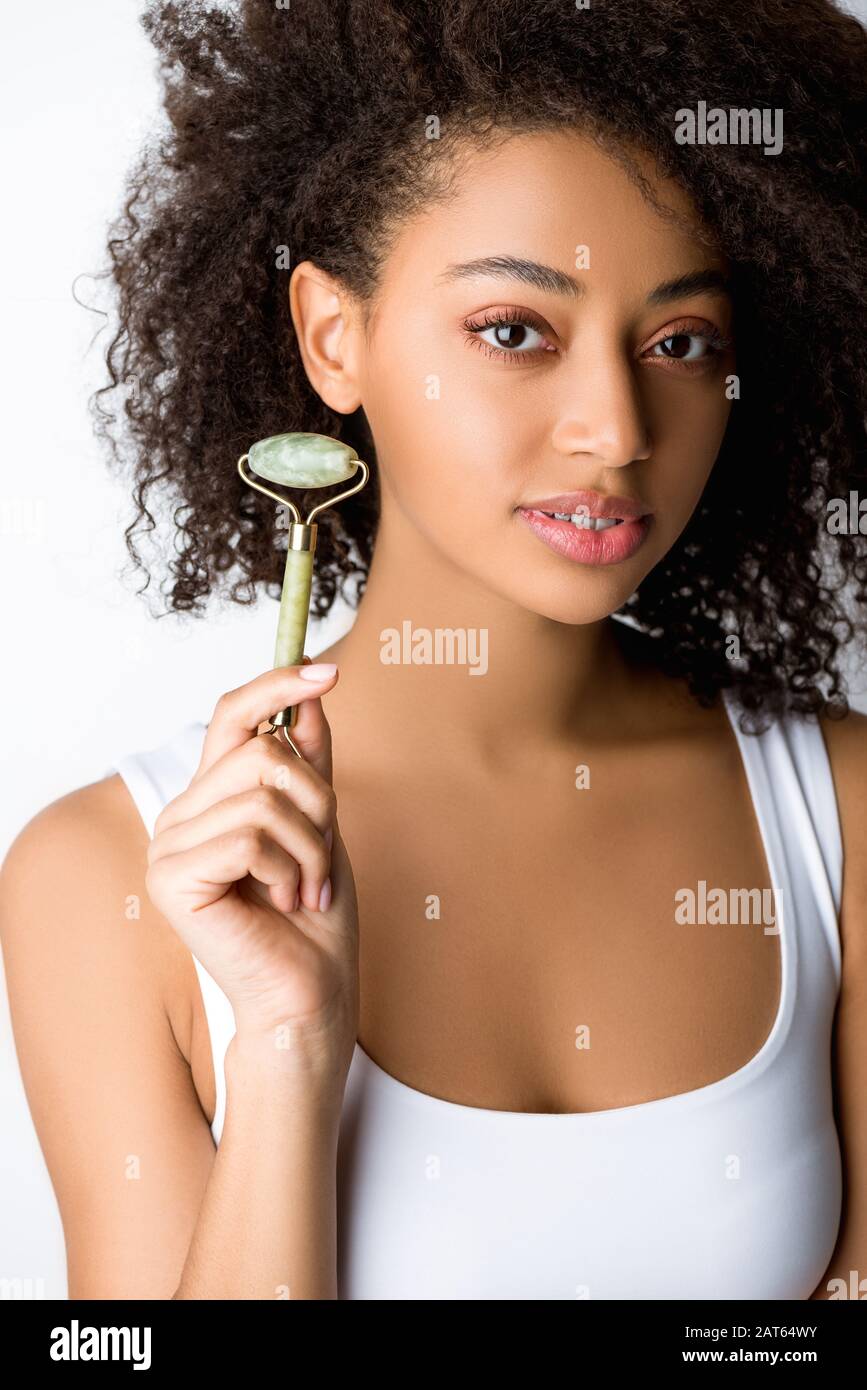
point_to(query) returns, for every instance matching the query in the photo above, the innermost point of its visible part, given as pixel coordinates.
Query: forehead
(546, 195)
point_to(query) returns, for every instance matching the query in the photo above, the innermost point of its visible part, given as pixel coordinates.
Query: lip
(609, 547)
(589, 503)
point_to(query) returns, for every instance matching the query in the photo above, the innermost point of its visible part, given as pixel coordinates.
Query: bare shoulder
(63, 825)
(73, 881)
(846, 742)
(89, 836)
(100, 1012)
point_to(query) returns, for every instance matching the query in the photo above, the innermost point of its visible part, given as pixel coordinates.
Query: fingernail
(329, 837)
(318, 672)
(325, 895)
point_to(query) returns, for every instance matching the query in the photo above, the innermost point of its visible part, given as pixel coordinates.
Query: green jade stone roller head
(299, 461)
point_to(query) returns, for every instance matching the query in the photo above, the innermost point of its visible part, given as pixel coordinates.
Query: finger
(311, 733)
(239, 713)
(200, 876)
(340, 872)
(263, 762)
(269, 810)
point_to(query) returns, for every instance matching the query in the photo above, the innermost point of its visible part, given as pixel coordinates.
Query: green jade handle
(292, 620)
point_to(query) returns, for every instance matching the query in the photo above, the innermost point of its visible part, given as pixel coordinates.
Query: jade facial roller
(299, 461)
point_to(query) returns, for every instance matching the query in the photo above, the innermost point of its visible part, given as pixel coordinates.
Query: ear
(327, 326)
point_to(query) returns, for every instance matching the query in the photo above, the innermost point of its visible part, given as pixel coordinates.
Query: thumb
(342, 877)
(312, 732)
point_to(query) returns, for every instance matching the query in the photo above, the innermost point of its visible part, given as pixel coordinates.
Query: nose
(604, 417)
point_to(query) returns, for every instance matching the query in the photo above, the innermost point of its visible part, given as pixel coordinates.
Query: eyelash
(717, 342)
(514, 318)
(508, 318)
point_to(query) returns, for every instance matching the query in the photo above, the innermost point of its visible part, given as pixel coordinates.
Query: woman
(466, 995)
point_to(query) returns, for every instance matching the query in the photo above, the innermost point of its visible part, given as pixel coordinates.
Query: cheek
(450, 446)
(690, 428)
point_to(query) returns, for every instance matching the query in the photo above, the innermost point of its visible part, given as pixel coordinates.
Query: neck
(441, 658)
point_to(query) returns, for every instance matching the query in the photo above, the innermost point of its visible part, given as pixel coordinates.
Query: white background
(89, 675)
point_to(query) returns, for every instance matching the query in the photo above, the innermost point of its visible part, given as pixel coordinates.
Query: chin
(582, 599)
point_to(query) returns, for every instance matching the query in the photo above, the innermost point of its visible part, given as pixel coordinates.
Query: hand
(249, 867)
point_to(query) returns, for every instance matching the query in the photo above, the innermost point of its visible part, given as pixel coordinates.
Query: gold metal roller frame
(299, 461)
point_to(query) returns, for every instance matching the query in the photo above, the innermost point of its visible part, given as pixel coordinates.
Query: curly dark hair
(304, 128)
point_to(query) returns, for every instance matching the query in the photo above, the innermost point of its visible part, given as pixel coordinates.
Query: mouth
(587, 538)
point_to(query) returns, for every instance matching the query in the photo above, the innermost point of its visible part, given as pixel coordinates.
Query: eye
(684, 347)
(514, 334)
(688, 344)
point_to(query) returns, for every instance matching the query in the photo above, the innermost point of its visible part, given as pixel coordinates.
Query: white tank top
(729, 1191)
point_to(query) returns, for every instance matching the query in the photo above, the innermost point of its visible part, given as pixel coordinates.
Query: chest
(737, 1199)
(542, 947)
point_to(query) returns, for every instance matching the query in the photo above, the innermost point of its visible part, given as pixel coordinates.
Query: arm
(846, 741)
(148, 1209)
(268, 1223)
(127, 1147)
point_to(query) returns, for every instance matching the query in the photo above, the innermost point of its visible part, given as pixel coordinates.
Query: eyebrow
(553, 281)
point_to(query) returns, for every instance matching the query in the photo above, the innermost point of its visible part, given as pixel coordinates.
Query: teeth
(588, 523)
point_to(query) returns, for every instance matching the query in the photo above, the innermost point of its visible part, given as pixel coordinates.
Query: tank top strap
(790, 778)
(154, 777)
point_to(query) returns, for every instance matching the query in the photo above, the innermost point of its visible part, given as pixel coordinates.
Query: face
(528, 354)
